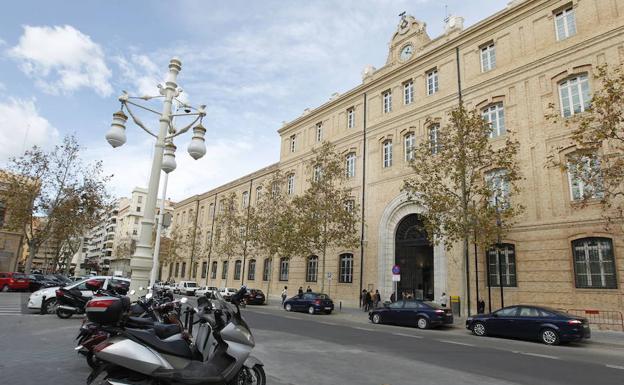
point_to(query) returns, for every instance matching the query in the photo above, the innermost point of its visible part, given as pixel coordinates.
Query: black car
(255, 297)
(39, 281)
(530, 322)
(310, 302)
(423, 314)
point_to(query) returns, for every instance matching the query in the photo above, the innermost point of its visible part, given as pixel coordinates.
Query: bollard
(340, 305)
(42, 302)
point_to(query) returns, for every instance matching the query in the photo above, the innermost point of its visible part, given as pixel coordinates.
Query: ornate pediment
(409, 39)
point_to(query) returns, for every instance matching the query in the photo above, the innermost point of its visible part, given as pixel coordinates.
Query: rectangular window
(507, 255)
(499, 187)
(488, 57)
(410, 146)
(432, 82)
(345, 275)
(594, 264)
(177, 269)
(317, 173)
(283, 270)
(565, 23)
(312, 269)
(290, 179)
(350, 165)
(204, 271)
(251, 271)
(136, 220)
(213, 271)
(408, 92)
(350, 118)
(495, 115)
(245, 199)
(387, 101)
(574, 95)
(138, 209)
(349, 205)
(237, 270)
(584, 178)
(293, 140)
(387, 153)
(211, 209)
(266, 270)
(224, 271)
(195, 266)
(140, 199)
(258, 193)
(201, 215)
(319, 132)
(434, 138)
(183, 270)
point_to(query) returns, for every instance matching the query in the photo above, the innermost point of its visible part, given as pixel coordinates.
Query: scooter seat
(140, 323)
(164, 331)
(176, 347)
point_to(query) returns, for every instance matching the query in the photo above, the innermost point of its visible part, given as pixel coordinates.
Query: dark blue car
(530, 322)
(310, 302)
(423, 314)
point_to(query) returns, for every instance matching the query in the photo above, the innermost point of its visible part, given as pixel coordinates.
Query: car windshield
(191, 284)
(433, 305)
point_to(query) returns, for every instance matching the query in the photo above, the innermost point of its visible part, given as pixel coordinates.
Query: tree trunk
(32, 251)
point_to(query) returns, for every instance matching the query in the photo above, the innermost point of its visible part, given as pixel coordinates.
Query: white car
(227, 292)
(186, 288)
(202, 291)
(46, 298)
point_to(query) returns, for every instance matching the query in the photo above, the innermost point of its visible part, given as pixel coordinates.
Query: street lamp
(144, 261)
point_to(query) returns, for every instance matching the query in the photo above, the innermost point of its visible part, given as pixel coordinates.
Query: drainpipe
(246, 232)
(363, 200)
(214, 214)
(194, 239)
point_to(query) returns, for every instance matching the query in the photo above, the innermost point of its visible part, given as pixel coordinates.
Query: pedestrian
(443, 300)
(481, 306)
(363, 299)
(309, 289)
(376, 299)
(284, 294)
(300, 293)
(392, 297)
(369, 302)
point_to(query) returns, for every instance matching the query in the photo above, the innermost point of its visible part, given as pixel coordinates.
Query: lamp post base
(141, 266)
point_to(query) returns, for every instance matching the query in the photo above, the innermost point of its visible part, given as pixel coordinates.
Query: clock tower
(408, 40)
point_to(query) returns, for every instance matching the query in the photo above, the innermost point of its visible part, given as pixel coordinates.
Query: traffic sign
(396, 269)
(396, 277)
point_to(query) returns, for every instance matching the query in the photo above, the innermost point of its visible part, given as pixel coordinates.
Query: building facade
(516, 66)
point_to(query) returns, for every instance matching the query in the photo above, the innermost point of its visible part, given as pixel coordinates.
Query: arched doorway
(414, 255)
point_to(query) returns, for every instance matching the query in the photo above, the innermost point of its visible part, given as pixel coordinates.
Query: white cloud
(62, 59)
(140, 72)
(21, 127)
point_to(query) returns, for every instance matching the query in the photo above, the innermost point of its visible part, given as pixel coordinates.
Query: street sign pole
(396, 277)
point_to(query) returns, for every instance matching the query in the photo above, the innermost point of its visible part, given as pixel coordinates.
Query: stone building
(512, 66)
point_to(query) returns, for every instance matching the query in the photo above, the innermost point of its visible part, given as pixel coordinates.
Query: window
(507, 254)
(495, 115)
(434, 138)
(410, 146)
(345, 274)
(140, 199)
(312, 269)
(290, 179)
(349, 205)
(224, 271)
(204, 271)
(283, 269)
(177, 269)
(213, 271)
(266, 269)
(387, 101)
(237, 270)
(574, 95)
(251, 271)
(195, 266)
(387, 153)
(138, 209)
(245, 199)
(432, 82)
(135, 232)
(258, 193)
(583, 173)
(488, 57)
(350, 165)
(507, 312)
(201, 215)
(183, 270)
(319, 131)
(211, 210)
(171, 270)
(594, 265)
(293, 141)
(275, 189)
(190, 217)
(528, 312)
(565, 23)
(136, 220)
(499, 186)
(408, 92)
(318, 173)
(350, 118)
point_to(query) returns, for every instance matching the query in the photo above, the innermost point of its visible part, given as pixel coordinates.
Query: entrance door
(414, 255)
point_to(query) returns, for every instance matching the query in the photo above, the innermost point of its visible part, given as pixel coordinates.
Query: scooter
(71, 301)
(219, 354)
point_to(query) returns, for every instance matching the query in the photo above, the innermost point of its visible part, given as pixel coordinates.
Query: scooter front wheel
(63, 314)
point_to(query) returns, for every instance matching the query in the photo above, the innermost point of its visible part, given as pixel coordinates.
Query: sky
(254, 64)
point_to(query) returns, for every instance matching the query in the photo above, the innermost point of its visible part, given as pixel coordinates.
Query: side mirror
(132, 292)
(184, 300)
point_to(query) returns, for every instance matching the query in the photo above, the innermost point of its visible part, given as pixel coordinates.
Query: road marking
(615, 367)
(455, 343)
(290, 317)
(406, 335)
(540, 355)
(328, 323)
(360, 328)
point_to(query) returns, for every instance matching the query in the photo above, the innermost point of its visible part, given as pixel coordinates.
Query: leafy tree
(598, 135)
(229, 233)
(55, 185)
(465, 183)
(325, 215)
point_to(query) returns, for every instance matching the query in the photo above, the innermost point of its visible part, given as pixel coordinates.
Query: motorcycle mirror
(148, 295)
(184, 300)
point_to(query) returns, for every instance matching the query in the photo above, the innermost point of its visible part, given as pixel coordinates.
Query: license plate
(327, 307)
(259, 297)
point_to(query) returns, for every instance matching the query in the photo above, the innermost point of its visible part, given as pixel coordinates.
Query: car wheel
(478, 329)
(49, 306)
(5, 288)
(422, 323)
(311, 310)
(288, 307)
(376, 318)
(549, 336)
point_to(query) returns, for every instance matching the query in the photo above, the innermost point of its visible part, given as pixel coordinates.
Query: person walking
(284, 294)
(309, 289)
(363, 299)
(300, 292)
(376, 299)
(369, 302)
(443, 300)
(392, 297)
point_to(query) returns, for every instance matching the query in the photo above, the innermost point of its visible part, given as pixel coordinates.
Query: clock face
(407, 52)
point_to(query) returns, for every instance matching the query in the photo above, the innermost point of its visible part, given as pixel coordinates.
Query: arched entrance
(414, 255)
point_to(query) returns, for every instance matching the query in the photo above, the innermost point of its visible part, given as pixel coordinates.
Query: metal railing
(600, 317)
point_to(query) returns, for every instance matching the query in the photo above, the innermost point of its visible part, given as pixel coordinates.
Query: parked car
(227, 292)
(255, 297)
(46, 298)
(202, 291)
(310, 302)
(186, 288)
(530, 322)
(39, 281)
(14, 282)
(422, 314)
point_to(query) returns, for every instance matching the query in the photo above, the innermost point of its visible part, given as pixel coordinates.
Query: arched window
(177, 269)
(434, 138)
(170, 270)
(387, 153)
(266, 269)
(410, 146)
(224, 272)
(574, 95)
(345, 273)
(350, 166)
(237, 270)
(283, 269)
(594, 264)
(502, 258)
(213, 271)
(495, 115)
(312, 269)
(204, 271)
(251, 270)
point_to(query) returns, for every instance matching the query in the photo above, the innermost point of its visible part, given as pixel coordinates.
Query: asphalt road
(301, 349)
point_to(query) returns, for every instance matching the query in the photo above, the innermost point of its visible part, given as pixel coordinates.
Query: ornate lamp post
(164, 158)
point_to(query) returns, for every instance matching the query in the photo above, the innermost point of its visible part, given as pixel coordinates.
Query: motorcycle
(219, 354)
(72, 301)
